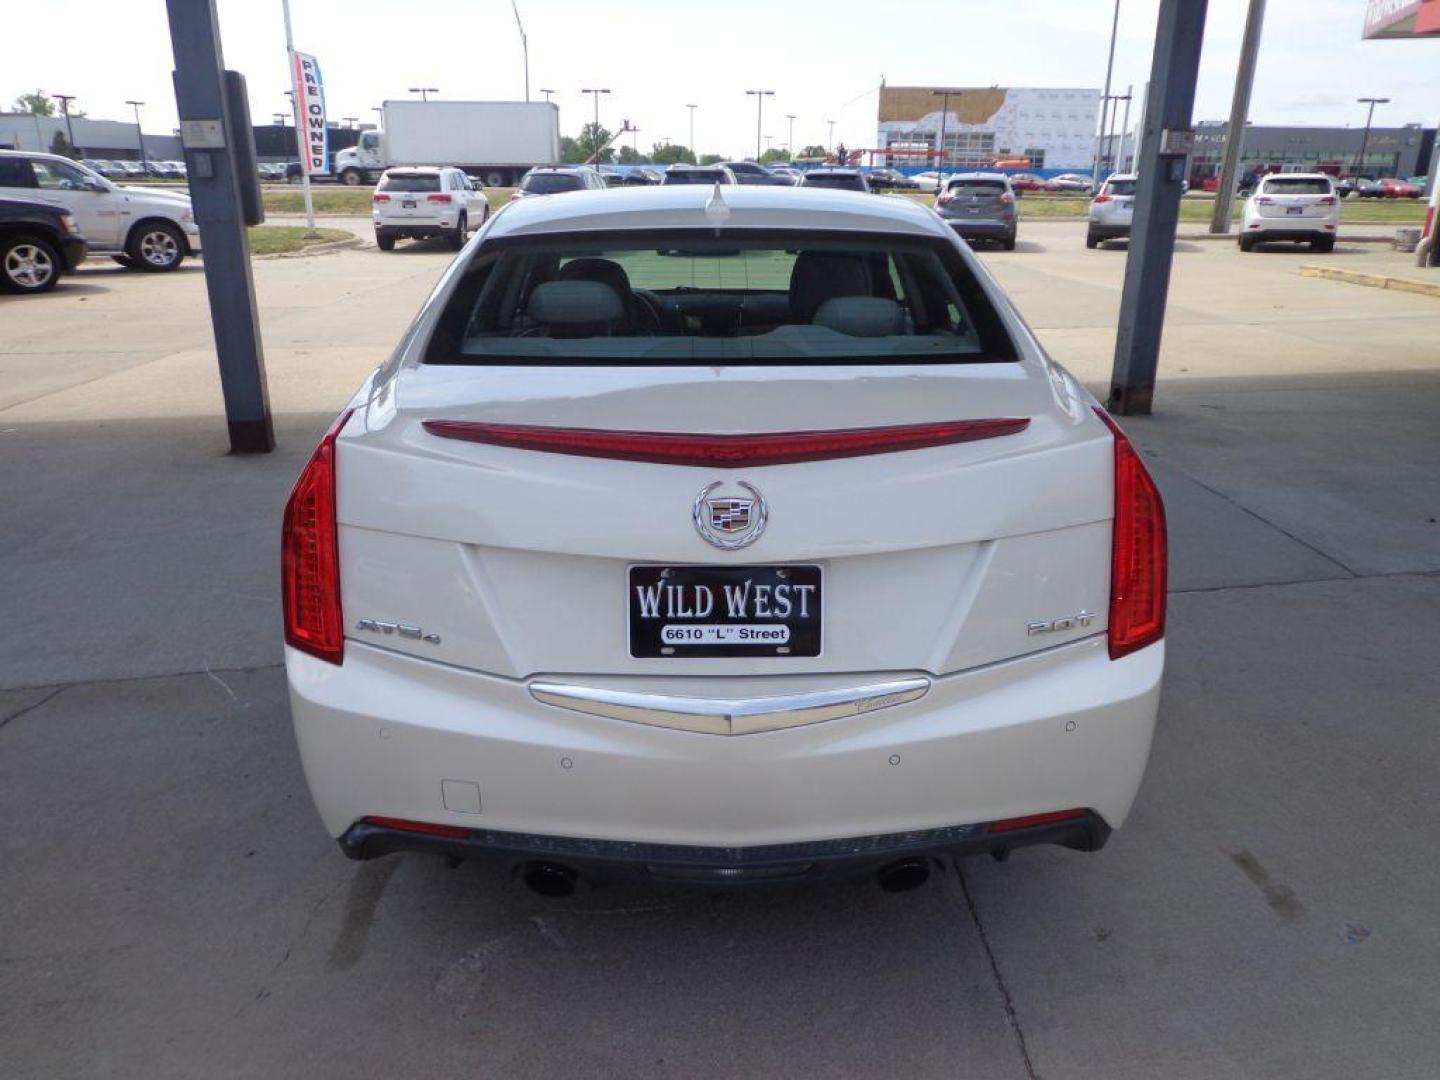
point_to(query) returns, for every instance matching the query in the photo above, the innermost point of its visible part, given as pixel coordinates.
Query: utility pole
(1168, 139)
(209, 138)
(760, 96)
(830, 144)
(300, 125)
(65, 100)
(944, 115)
(1105, 101)
(1239, 112)
(595, 131)
(524, 46)
(1125, 127)
(547, 94)
(790, 139)
(694, 154)
(1364, 139)
(424, 91)
(350, 121)
(139, 132)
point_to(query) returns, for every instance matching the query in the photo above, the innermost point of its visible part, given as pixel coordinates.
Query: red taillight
(437, 198)
(1137, 554)
(516, 195)
(1264, 200)
(378, 197)
(726, 451)
(1326, 200)
(429, 828)
(1031, 820)
(309, 557)
(1102, 198)
(944, 200)
(1007, 199)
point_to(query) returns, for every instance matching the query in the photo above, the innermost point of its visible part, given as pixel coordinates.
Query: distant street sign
(1402, 19)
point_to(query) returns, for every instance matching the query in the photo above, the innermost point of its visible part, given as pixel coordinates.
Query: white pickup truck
(496, 141)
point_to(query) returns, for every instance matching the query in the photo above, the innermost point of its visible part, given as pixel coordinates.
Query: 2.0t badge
(730, 522)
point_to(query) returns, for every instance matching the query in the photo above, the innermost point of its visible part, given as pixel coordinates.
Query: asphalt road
(170, 906)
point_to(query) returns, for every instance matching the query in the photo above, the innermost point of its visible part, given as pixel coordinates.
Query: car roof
(682, 206)
(837, 170)
(1296, 176)
(560, 169)
(416, 169)
(978, 176)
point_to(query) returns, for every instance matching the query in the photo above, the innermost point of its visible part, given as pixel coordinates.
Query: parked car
(929, 181)
(1111, 209)
(980, 206)
(557, 180)
(787, 173)
(699, 174)
(1356, 187)
(38, 244)
(1392, 188)
(1298, 207)
(752, 173)
(419, 202)
(641, 176)
(847, 179)
(694, 614)
(890, 180)
(613, 177)
(1023, 182)
(144, 228)
(1071, 182)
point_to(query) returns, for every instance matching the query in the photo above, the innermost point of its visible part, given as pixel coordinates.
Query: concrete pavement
(169, 905)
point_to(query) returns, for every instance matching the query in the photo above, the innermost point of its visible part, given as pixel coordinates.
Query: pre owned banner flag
(310, 109)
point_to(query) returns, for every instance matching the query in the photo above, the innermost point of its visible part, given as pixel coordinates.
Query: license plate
(1295, 210)
(724, 611)
(976, 209)
(407, 204)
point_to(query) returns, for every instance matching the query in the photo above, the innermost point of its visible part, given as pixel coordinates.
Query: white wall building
(1054, 128)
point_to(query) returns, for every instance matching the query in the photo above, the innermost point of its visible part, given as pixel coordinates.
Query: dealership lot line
(173, 908)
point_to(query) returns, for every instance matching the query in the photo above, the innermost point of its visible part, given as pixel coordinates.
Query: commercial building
(1052, 128)
(1389, 151)
(114, 140)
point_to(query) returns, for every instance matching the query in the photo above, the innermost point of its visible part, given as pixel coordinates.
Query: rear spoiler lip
(726, 451)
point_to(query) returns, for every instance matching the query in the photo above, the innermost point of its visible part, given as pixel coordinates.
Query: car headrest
(818, 276)
(575, 306)
(590, 268)
(861, 316)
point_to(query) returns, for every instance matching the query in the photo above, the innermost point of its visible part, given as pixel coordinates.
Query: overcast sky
(823, 58)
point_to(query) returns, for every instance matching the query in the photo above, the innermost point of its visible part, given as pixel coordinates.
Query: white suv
(421, 201)
(144, 228)
(1294, 207)
(1111, 210)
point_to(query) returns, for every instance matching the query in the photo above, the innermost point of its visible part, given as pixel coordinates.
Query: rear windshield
(697, 297)
(832, 180)
(409, 182)
(1120, 187)
(696, 176)
(977, 187)
(1312, 185)
(550, 183)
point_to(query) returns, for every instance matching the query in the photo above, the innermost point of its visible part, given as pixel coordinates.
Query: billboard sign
(1402, 19)
(313, 135)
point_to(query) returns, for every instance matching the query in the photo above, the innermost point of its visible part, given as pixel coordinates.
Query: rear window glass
(1120, 187)
(409, 182)
(696, 176)
(977, 187)
(550, 183)
(1297, 186)
(697, 297)
(831, 180)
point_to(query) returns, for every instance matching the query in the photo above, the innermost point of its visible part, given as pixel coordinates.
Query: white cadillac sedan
(720, 536)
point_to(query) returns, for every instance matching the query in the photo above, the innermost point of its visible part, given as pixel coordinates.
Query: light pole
(524, 46)
(1364, 139)
(944, 115)
(139, 132)
(547, 94)
(830, 141)
(1105, 103)
(790, 139)
(302, 152)
(279, 118)
(350, 121)
(65, 100)
(694, 155)
(760, 96)
(424, 91)
(595, 131)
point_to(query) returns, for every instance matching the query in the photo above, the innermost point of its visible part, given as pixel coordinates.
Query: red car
(1030, 182)
(1398, 189)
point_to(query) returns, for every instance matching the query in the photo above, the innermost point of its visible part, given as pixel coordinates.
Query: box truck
(496, 141)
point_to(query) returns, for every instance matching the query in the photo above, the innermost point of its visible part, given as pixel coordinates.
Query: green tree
(37, 103)
(813, 152)
(711, 159)
(671, 153)
(630, 156)
(61, 145)
(771, 156)
(592, 137)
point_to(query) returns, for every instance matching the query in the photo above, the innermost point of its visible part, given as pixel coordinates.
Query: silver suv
(980, 206)
(1111, 210)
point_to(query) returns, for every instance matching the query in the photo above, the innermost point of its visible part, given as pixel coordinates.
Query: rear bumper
(387, 735)
(416, 230)
(1263, 229)
(982, 228)
(1109, 230)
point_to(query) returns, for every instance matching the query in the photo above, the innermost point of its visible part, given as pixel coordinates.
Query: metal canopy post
(206, 135)
(1167, 140)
